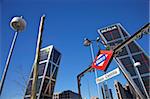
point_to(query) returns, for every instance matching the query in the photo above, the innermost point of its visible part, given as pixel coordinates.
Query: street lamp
(88, 42)
(136, 64)
(18, 24)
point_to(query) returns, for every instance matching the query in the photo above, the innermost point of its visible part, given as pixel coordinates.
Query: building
(47, 73)
(56, 96)
(94, 97)
(66, 95)
(126, 92)
(69, 95)
(112, 36)
(107, 93)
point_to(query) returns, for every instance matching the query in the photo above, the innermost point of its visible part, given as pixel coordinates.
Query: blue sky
(67, 23)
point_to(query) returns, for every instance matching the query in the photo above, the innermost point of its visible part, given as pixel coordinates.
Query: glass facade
(44, 54)
(47, 74)
(106, 92)
(127, 54)
(28, 91)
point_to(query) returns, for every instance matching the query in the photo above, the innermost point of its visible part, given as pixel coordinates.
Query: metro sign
(102, 60)
(108, 75)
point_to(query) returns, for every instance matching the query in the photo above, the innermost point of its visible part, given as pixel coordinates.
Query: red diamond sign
(102, 60)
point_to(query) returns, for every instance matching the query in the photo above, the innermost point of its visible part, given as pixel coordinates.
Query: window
(116, 34)
(126, 61)
(55, 73)
(41, 69)
(133, 47)
(58, 61)
(44, 54)
(107, 36)
(123, 32)
(44, 97)
(139, 85)
(48, 72)
(28, 91)
(45, 85)
(131, 70)
(146, 83)
(52, 87)
(56, 56)
(122, 52)
(38, 85)
(27, 98)
(128, 65)
(53, 67)
(144, 68)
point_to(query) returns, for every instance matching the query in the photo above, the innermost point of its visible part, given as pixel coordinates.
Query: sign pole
(36, 61)
(92, 53)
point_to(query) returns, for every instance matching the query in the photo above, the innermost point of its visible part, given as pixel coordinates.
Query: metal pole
(92, 53)
(36, 61)
(79, 84)
(7, 62)
(79, 79)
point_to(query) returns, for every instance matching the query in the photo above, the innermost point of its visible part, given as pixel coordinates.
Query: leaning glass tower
(112, 36)
(47, 73)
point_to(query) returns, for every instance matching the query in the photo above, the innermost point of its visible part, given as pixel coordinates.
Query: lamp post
(17, 24)
(136, 64)
(88, 42)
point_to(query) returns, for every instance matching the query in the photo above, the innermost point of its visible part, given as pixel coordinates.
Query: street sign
(102, 60)
(107, 76)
